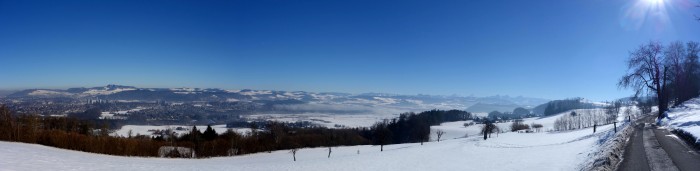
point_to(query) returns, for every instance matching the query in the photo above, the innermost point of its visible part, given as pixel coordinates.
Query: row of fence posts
(629, 119)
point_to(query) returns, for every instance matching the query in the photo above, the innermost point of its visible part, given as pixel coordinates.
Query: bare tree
(537, 127)
(422, 132)
(329, 151)
(439, 134)
(331, 142)
(518, 125)
(294, 152)
(647, 73)
(697, 17)
(675, 55)
(611, 112)
(7, 124)
(488, 129)
(692, 70)
(382, 134)
(277, 131)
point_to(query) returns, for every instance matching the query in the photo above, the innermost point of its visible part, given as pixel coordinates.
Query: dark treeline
(85, 135)
(683, 67)
(501, 116)
(275, 136)
(71, 133)
(558, 106)
(412, 127)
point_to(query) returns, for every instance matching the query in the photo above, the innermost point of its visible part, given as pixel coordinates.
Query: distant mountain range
(4, 93)
(409, 102)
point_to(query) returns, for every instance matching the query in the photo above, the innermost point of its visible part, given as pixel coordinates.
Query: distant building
(170, 151)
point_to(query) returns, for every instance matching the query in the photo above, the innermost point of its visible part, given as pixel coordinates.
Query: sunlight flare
(655, 1)
(639, 13)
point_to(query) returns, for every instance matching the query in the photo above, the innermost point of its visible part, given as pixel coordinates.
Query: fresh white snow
(47, 93)
(327, 120)
(507, 151)
(510, 151)
(457, 130)
(149, 129)
(105, 91)
(685, 117)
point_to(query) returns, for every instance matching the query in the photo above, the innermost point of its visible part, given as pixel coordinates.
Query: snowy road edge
(609, 156)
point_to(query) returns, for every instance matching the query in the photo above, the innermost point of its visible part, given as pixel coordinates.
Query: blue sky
(541, 48)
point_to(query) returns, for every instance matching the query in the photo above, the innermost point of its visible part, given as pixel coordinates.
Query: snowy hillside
(299, 100)
(685, 118)
(506, 151)
(457, 129)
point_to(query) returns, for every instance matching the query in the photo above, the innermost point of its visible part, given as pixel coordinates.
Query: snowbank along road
(654, 148)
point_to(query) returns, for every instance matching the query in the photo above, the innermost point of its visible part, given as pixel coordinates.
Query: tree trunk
(661, 96)
(663, 106)
(594, 126)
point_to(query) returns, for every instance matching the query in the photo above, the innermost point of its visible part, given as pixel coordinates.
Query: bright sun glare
(655, 2)
(643, 12)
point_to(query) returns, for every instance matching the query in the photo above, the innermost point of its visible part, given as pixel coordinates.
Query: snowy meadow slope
(685, 118)
(568, 150)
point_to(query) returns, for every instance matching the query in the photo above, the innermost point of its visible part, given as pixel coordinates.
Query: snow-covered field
(457, 130)
(327, 120)
(148, 129)
(509, 151)
(685, 117)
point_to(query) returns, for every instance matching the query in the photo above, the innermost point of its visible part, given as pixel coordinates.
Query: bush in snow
(488, 128)
(537, 127)
(518, 125)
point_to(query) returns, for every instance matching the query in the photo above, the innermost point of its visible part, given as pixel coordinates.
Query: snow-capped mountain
(118, 92)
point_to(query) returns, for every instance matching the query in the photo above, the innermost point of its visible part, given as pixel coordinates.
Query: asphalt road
(651, 148)
(635, 158)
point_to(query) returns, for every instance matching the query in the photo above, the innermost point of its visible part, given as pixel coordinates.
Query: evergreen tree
(195, 137)
(209, 134)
